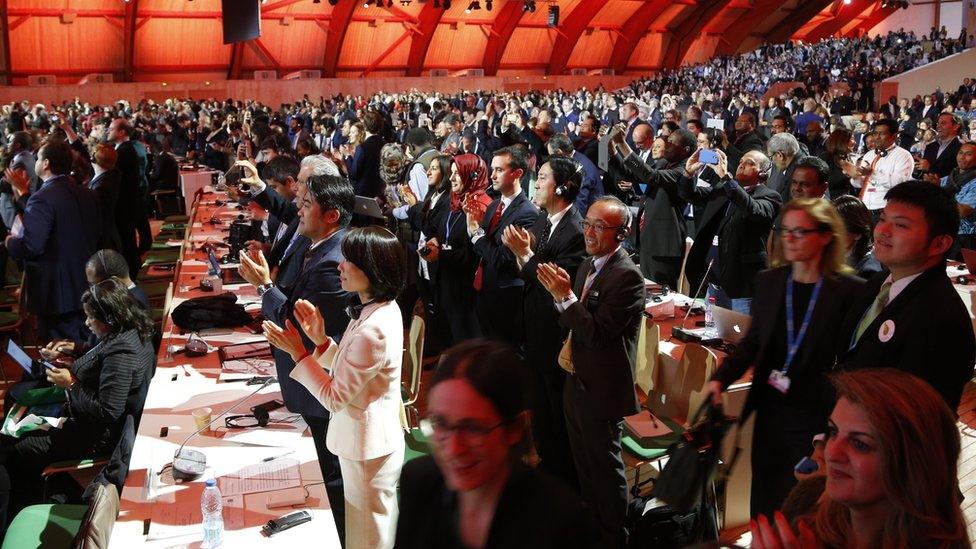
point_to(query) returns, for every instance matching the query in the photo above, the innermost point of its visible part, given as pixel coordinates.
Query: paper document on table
(262, 477)
(174, 521)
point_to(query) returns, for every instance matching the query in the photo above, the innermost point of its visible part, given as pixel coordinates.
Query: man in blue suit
(592, 188)
(61, 227)
(498, 287)
(325, 205)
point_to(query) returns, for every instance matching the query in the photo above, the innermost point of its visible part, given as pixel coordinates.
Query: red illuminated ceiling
(156, 39)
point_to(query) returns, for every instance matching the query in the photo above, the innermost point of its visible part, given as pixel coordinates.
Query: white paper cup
(201, 416)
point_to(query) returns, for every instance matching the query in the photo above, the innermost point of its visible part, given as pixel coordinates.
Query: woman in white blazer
(358, 380)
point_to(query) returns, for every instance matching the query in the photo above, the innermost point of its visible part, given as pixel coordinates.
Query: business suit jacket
(565, 248)
(360, 384)
(431, 223)
(61, 231)
(750, 141)
(664, 230)
(130, 169)
(629, 136)
(165, 172)
(779, 180)
(742, 220)
(592, 187)
(942, 165)
(317, 282)
(813, 359)
(497, 261)
(936, 345)
(604, 328)
(363, 168)
(106, 188)
(282, 211)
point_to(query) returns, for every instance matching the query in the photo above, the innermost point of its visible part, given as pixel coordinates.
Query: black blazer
(605, 328)
(534, 511)
(431, 222)
(933, 334)
(281, 211)
(942, 165)
(165, 172)
(814, 358)
(112, 378)
(742, 220)
(363, 168)
(106, 188)
(500, 269)
(130, 168)
(565, 248)
(317, 282)
(664, 230)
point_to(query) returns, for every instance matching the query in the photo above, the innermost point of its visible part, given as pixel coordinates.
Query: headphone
(109, 318)
(474, 175)
(622, 233)
(561, 189)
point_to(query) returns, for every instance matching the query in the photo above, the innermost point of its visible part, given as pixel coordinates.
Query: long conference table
(250, 464)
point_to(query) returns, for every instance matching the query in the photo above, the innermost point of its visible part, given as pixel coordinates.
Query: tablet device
(369, 207)
(19, 356)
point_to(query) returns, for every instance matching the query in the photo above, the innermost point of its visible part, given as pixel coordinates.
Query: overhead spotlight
(447, 4)
(473, 6)
(847, 2)
(488, 5)
(405, 3)
(529, 6)
(389, 3)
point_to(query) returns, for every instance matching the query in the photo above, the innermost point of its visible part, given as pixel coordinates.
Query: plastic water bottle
(709, 319)
(213, 519)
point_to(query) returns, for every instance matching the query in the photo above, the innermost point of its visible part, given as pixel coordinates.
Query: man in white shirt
(880, 169)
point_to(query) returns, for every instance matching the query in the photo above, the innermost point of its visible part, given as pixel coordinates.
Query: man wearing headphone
(730, 247)
(602, 309)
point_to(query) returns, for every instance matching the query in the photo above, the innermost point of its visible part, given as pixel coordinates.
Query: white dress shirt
(554, 220)
(893, 168)
(598, 264)
(506, 202)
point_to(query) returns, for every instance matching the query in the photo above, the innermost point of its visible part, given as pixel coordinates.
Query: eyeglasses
(798, 233)
(438, 430)
(598, 227)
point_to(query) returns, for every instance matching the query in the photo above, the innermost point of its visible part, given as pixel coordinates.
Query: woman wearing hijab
(456, 261)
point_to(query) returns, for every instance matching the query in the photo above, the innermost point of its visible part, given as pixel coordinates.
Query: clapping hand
(407, 194)
(310, 319)
(555, 280)
(254, 268)
(780, 536)
(18, 180)
(287, 339)
(517, 239)
(474, 211)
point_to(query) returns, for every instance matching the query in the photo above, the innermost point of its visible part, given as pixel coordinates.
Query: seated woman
(891, 459)
(102, 386)
(358, 380)
(475, 491)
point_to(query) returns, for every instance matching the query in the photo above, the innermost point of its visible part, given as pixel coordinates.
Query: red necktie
(496, 218)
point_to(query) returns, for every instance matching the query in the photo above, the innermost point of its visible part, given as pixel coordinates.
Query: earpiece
(622, 233)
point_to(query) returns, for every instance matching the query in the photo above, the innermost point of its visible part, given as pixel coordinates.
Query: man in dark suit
(498, 288)
(630, 115)
(325, 210)
(784, 151)
(731, 243)
(105, 184)
(61, 227)
(939, 156)
(911, 318)
(592, 188)
(132, 212)
(662, 226)
(604, 321)
(363, 167)
(746, 137)
(556, 237)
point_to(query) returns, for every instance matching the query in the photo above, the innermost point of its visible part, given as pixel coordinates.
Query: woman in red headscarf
(451, 248)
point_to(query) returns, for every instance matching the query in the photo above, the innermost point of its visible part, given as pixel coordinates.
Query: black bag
(212, 311)
(693, 460)
(661, 527)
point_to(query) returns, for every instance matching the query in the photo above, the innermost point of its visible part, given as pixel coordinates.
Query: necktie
(873, 312)
(479, 274)
(544, 239)
(588, 282)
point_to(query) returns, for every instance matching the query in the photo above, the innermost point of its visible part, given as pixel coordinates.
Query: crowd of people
(826, 218)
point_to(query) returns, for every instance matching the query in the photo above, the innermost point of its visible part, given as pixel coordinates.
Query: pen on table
(272, 458)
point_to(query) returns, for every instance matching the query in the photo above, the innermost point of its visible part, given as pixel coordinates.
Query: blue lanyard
(451, 220)
(794, 339)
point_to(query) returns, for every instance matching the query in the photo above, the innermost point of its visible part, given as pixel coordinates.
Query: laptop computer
(730, 325)
(369, 207)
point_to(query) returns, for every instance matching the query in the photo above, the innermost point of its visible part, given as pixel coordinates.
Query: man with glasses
(602, 310)
(325, 206)
(730, 247)
(784, 151)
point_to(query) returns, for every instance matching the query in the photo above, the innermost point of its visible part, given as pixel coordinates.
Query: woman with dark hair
(860, 236)
(102, 387)
(451, 249)
(475, 490)
(837, 151)
(358, 380)
(891, 459)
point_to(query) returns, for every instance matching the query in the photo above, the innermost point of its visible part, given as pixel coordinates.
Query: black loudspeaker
(553, 16)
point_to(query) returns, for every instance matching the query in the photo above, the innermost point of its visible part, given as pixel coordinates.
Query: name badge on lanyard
(779, 379)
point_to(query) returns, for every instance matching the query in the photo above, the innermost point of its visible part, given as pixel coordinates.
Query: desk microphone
(189, 464)
(679, 332)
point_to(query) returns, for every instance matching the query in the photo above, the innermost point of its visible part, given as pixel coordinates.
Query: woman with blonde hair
(790, 342)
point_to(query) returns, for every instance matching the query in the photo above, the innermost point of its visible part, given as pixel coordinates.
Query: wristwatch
(478, 233)
(264, 288)
(567, 298)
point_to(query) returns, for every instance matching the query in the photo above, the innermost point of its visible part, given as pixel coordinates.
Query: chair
(413, 358)
(73, 525)
(676, 391)
(169, 203)
(648, 347)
